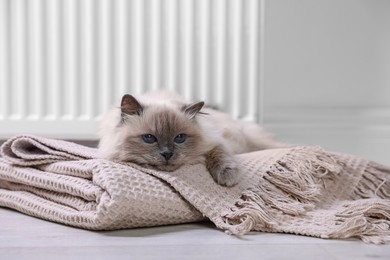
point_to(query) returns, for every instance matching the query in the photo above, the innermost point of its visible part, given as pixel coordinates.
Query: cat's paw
(225, 175)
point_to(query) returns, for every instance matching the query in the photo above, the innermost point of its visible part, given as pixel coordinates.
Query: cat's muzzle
(167, 155)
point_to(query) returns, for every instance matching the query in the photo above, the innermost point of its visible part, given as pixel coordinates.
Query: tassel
(292, 186)
(367, 219)
(375, 182)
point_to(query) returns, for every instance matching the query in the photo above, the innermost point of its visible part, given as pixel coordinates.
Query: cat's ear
(130, 106)
(193, 109)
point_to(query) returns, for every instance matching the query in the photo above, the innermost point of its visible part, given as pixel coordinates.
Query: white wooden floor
(25, 237)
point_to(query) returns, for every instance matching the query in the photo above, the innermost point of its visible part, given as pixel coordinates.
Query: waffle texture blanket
(300, 190)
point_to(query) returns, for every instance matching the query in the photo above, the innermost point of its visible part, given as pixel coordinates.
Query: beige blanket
(300, 190)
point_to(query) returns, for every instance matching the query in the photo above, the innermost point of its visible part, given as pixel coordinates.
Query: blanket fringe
(375, 182)
(367, 219)
(292, 186)
(250, 211)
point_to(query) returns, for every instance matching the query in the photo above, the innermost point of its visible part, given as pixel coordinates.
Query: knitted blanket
(300, 190)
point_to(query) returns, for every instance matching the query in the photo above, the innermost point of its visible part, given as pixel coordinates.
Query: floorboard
(25, 237)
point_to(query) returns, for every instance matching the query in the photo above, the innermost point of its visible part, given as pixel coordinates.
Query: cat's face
(158, 136)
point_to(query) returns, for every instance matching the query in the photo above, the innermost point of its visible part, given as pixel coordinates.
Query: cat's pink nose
(167, 155)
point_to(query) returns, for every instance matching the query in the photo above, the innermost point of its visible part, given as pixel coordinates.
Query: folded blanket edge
(294, 174)
(369, 220)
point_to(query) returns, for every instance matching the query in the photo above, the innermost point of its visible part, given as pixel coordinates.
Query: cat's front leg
(222, 166)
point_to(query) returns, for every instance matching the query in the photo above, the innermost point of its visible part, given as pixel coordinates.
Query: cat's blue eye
(180, 138)
(149, 139)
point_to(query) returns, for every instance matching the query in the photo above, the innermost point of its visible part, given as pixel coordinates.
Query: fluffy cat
(161, 131)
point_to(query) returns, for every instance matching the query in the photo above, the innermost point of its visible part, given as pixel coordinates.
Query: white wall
(327, 74)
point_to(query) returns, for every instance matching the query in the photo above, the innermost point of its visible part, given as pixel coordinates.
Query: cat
(160, 130)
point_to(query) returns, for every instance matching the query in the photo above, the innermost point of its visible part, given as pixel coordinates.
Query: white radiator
(63, 63)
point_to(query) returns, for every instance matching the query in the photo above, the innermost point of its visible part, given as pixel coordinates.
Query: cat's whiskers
(195, 134)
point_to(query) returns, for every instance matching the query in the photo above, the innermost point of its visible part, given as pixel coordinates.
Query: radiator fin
(67, 61)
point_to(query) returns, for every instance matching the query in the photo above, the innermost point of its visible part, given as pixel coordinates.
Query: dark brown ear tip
(127, 98)
(130, 105)
(198, 104)
(201, 104)
(193, 109)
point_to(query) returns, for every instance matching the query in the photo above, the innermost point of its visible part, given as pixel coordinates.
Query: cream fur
(218, 127)
(213, 136)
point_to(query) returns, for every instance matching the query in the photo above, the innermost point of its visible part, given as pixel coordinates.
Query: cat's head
(158, 135)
